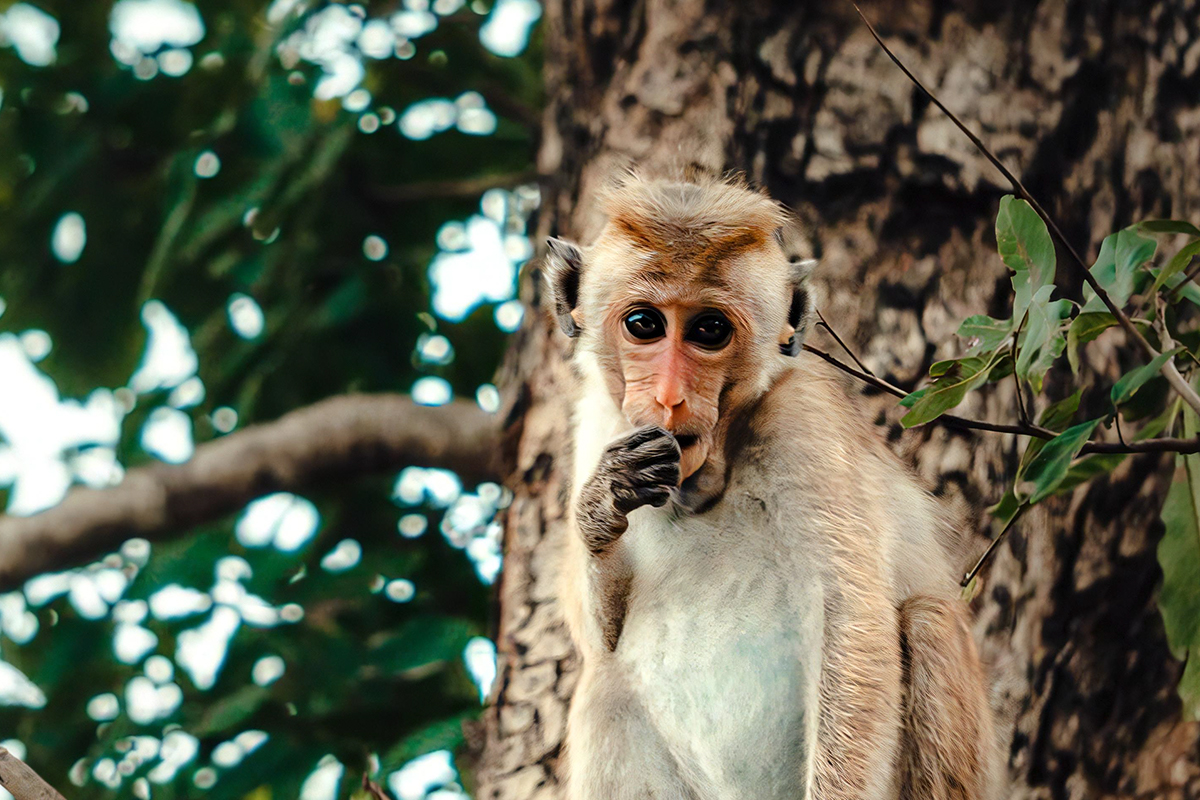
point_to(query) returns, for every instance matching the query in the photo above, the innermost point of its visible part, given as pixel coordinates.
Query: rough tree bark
(1097, 106)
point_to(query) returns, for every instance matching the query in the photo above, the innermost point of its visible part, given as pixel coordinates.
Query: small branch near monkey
(991, 548)
(1017, 378)
(22, 782)
(945, 419)
(1169, 370)
(1185, 446)
(838, 339)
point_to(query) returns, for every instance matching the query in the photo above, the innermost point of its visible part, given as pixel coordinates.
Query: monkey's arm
(637, 470)
(948, 752)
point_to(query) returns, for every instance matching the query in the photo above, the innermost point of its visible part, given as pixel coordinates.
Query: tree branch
(336, 438)
(22, 782)
(1169, 370)
(1024, 429)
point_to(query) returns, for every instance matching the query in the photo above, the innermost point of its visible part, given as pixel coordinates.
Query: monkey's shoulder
(808, 414)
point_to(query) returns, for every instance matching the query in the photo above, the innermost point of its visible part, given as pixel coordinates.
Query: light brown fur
(797, 560)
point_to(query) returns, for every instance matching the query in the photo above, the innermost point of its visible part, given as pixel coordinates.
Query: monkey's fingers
(661, 473)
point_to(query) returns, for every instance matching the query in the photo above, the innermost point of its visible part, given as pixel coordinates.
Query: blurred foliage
(299, 185)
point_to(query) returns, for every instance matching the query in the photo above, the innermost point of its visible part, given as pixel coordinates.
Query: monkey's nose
(675, 415)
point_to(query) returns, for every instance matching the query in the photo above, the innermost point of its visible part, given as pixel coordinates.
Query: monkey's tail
(948, 749)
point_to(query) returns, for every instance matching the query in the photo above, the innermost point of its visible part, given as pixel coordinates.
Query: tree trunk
(1097, 106)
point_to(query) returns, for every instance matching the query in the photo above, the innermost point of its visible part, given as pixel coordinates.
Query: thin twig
(1169, 370)
(1120, 435)
(991, 548)
(1187, 278)
(838, 339)
(946, 419)
(1017, 378)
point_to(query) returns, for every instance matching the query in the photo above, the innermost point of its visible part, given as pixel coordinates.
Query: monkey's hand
(636, 470)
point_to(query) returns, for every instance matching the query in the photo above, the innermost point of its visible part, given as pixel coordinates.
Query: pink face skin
(676, 359)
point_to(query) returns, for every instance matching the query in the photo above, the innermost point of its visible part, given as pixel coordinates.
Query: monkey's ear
(563, 265)
(800, 311)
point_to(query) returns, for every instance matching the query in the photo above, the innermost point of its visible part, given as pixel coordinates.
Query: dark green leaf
(1007, 509)
(1169, 226)
(1084, 328)
(1025, 246)
(1058, 416)
(1089, 467)
(908, 400)
(1178, 263)
(1179, 557)
(990, 333)
(948, 390)
(940, 368)
(1047, 470)
(1125, 388)
(1042, 341)
(1105, 272)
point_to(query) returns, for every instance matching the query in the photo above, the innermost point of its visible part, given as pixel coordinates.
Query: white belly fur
(723, 651)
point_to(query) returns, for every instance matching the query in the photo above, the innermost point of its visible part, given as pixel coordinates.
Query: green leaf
(1121, 254)
(940, 368)
(990, 333)
(948, 390)
(1007, 509)
(910, 399)
(1048, 468)
(1132, 252)
(1179, 557)
(1057, 416)
(1089, 467)
(1125, 388)
(1084, 328)
(1025, 246)
(1177, 264)
(1042, 341)
(1169, 226)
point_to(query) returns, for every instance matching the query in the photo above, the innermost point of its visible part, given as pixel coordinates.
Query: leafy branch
(1168, 367)
(1060, 453)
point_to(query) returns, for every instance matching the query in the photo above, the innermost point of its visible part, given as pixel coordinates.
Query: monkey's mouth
(686, 440)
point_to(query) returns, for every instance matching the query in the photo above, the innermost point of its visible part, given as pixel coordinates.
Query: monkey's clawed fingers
(643, 468)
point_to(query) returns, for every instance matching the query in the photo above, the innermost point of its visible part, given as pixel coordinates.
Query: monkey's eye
(711, 331)
(645, 324)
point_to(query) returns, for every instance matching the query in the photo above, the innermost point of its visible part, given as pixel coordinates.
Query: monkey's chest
(722, 643)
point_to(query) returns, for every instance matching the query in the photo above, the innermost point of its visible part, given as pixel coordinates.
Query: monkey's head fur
(687, 306)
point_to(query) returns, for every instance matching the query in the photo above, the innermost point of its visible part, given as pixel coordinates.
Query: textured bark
(1097, 106)
(21, 781)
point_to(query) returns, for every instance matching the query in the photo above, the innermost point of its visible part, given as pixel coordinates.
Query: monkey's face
(675, 360)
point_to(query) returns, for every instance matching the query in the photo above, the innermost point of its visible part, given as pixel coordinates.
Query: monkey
(760, 592)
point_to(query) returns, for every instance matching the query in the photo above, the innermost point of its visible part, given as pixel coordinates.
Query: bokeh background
(213, 213)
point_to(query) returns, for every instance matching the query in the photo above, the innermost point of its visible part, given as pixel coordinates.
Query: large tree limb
(21, 781)
(336, 438)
